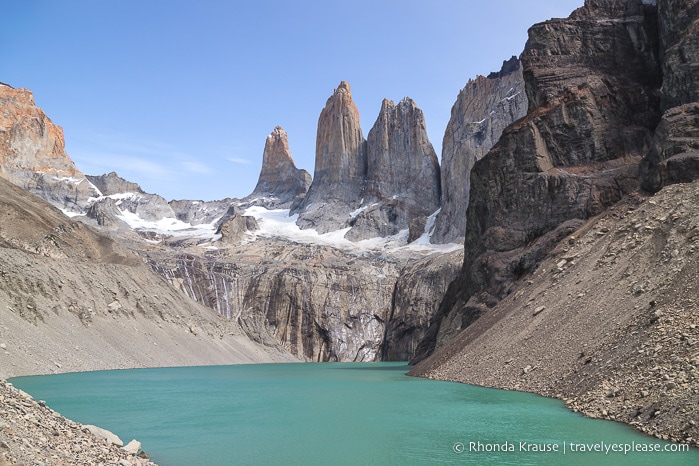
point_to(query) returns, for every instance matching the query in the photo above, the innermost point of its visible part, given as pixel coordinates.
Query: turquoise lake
(335, 413)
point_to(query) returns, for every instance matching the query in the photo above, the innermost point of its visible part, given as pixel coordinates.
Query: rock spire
(280, 182)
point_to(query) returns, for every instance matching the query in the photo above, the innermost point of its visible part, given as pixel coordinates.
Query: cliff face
(315, 301)
(280, 183)
(402, 179)
(675, 154)
(32, 153)
(592, 83)
(340, 165)
(483, 109)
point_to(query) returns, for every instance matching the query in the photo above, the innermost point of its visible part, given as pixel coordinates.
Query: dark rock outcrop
(402, 179)
(200, 212)
(280, 183)
(592, 83)
(106, 213)
(675, 155)
(483, 109)
(340, 166)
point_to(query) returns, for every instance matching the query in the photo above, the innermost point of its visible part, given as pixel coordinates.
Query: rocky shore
(31, 433)
(607, 322)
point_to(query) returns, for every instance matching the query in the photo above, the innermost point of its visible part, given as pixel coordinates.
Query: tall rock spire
(403, 180)
(280, 182)
(340, 165)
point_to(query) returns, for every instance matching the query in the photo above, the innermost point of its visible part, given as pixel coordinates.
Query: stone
(104, 434)
(150, 207)
(33, 156)
(132, 447)
(340, 166)
(280, 183)
(403, 177)
(591, 114)
(234, 227)
(483, 109)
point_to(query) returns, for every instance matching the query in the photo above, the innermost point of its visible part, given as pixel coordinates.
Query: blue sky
(179, 96)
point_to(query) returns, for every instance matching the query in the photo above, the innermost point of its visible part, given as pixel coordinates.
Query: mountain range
(553, 244)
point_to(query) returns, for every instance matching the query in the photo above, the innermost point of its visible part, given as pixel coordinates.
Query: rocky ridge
(574, 285)
(592, 112)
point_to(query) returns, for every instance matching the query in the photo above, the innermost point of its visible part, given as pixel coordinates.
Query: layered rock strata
(483, 109)
(675, 155)
(280, 183)
(317, 302)
(592, 110)
(607, 322)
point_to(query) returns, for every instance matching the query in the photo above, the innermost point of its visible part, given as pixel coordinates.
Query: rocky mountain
(73, 299)
(483, 109)
(375, 187)
(318, 302)
(33, 153)
(575, 283)
(340, 166)
(129, 197)
(402, 175)
(674, 154)
(591, 117)
(280, 183)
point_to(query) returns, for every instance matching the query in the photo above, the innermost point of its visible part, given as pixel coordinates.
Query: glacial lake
(336, 413)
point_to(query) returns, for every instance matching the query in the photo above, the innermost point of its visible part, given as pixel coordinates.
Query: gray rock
(403, 180)
(280, 183)
(104, 434)
(132, 447)
(483, 109)
(340, 166)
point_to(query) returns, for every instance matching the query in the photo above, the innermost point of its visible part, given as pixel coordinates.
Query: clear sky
(179, 96)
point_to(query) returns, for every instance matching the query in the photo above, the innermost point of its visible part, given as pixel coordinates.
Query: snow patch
(169, 226)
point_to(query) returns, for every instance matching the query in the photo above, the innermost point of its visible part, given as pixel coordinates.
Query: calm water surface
(334, 413)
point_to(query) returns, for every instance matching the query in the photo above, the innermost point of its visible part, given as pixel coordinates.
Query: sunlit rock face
(340, 166)
(33, 156)
(280, 183)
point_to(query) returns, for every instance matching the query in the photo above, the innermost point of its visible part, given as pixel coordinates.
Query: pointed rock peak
(344, 87)
(277, 133)
(280, 182)
(277, 150)
(508, 67)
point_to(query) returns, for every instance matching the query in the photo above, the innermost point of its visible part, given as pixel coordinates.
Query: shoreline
(33, 433)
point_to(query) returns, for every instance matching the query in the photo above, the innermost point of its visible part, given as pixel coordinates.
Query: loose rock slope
(608, 321)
